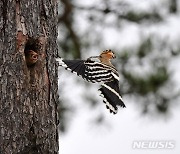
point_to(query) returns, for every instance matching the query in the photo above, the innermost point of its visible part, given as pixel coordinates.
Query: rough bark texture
(28, 94)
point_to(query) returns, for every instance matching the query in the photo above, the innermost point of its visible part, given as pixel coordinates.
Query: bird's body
(103, 72)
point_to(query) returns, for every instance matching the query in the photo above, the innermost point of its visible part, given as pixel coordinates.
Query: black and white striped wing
(98, 72)
(75, 66)
(89, 70)
(111, 95)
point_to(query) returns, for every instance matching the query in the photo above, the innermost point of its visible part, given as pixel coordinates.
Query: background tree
(28, 87)
(144, 66)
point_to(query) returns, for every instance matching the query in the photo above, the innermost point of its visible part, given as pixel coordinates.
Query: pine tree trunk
(28, 93)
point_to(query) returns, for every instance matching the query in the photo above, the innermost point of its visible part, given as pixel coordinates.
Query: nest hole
(31, 52)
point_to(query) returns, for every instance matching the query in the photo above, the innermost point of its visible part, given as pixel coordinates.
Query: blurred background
(145, 36)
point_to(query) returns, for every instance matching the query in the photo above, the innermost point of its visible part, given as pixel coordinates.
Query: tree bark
(28, 93)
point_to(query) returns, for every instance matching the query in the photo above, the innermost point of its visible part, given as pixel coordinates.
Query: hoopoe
(99, 71)
(31, 57)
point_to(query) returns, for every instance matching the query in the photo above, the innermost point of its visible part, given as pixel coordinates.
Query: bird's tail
(111, 96)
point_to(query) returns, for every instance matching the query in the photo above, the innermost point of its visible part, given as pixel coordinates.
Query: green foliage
(173, 6)
(145, 48)
(145, 85)
(141, 17)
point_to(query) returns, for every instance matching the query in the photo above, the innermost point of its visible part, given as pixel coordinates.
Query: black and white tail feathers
(111, 96)
(93, 71)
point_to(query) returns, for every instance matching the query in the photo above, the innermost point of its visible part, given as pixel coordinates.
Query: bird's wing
(75, 66)
(110, 90)
(89, 70)
(98, 72)
(111, 95)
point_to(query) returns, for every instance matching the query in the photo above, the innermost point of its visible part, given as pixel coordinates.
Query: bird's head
(31, 57)
(107, 54)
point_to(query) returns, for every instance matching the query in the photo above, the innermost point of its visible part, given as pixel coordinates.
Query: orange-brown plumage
(106, 56)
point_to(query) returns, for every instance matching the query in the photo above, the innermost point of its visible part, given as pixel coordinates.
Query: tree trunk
(28, 91)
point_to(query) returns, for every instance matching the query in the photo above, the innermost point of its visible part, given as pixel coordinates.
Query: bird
(101, 71)
(31, 57)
